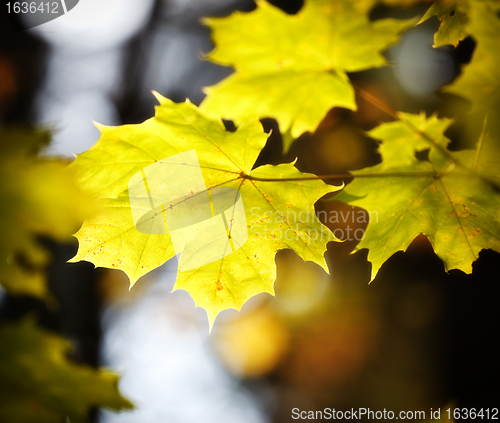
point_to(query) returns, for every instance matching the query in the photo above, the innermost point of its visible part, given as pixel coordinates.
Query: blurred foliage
(39, 198)
(479, 81)
(39, 384)
(452, 28)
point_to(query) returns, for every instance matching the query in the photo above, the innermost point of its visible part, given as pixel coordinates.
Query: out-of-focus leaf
(39, 197)
(39, 384)
(453, 23)
(479, 81)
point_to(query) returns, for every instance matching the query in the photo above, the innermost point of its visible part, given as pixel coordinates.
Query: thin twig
(394, 114)
(344, 176)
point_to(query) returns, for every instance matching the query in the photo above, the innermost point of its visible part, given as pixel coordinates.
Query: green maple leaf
(273, 198)
(293, 67)
(452, 198)
(38, 198)
(39, 384)
(479, 81)
(453, 23)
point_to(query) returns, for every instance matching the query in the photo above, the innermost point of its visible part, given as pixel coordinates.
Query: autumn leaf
(452, 28)
(39, 198)
(39, 384)
(479, 81)
(452, 197)
(133, 169)
(294, 67)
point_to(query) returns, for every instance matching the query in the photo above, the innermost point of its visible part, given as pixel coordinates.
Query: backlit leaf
(38, 384)
(453, 23)
(479, 81)
(39, 197)
(278, 208)
(293, 67)
(452, 198)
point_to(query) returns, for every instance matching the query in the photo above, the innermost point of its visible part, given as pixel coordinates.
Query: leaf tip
(74, 259)
(162, 100)
(211, 320)
(206, 21)
(133, 281)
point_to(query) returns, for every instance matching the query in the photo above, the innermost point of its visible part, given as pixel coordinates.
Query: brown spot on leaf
(462, 211)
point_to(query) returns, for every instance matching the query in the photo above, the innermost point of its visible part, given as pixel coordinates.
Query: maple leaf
(39, 197)
(294, 67)
(452, 29)
(455, 206)
(479, 81)
(133, 170)
(39, 384)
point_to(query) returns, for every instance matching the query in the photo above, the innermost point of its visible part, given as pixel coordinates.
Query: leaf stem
(344, 176)
(394, 114)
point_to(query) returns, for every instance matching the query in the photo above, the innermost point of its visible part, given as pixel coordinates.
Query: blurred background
(416, 338)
